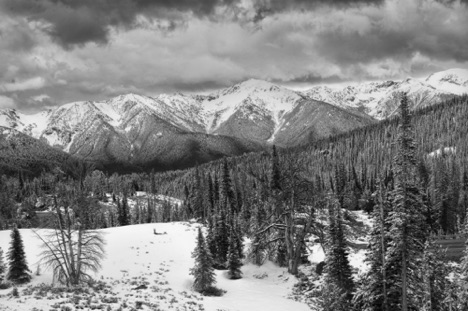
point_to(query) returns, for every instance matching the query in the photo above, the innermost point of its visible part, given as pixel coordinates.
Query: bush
(5, 285)
(213, 291)
(14, 292)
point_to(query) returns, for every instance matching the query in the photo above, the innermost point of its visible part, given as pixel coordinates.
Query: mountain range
(131, 131)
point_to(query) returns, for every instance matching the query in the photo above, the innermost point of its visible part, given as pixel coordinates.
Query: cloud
(30, 84)
(6, 102)
(153, 47)
(40, 98)
(74, 23)
(71, 23)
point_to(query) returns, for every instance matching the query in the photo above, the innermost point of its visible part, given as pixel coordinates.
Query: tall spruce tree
(2, 266)
(457, 294)
(234, 260)
(258, 245)
(123, 212)
(203, 270)
(434, 272)
(407, 231)
(18, 268)
(221, 240)
(337, 267)
(227, 195)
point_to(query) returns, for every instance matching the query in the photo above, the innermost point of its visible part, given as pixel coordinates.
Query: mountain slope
(378, 98)
(261, 111)
(132, 132)
(452, 81)
(22, 153)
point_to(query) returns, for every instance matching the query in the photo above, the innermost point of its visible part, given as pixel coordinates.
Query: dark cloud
(72, 22)
(311, 79)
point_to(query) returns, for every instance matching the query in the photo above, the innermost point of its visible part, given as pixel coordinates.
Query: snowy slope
(452, 81)
(252, 95)
(33, 124)
(136, 256)
(377, 98)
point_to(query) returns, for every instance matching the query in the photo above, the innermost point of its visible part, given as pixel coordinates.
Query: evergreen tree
(196, 197)
(434, 272)
(149, 211)
(234, 261)
(203, 270)
(221, 240)
(457, 294)
(227, 197)
(258, 247)
(18, 267)
(275, 176)
(332, 297)
(407, 231)
(211, 236)
(338, 269)
(123, 212)
(2, 266)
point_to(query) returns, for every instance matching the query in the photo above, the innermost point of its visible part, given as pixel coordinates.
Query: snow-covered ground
(136, 256)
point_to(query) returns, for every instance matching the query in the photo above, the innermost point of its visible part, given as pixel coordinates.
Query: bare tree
(70, 249)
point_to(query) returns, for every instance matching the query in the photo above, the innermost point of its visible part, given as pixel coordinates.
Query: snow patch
(442, 151)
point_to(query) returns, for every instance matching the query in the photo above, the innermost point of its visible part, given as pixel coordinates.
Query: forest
(408, 173)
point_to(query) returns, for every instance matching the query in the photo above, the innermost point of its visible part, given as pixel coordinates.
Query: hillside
(22, 153)
(366, 153)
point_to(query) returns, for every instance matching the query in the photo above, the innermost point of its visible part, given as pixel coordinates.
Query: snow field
(161, 263)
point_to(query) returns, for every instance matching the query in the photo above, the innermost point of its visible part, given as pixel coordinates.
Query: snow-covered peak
(31, 124)
(253, 86)
(378, 98)
(257, 92)
(452, 80)
(260, 95)
(130, 97)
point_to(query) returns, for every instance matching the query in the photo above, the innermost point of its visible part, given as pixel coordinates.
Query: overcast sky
(58, 51)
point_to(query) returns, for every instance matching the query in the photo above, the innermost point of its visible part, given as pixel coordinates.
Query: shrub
(213, 292)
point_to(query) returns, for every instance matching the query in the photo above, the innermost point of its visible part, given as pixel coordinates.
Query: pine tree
(434, 272)
(258, 247)
(337, 265)
(407, 231)
(18, 267)
(275, 176)
(123, 212)
(203, 271)
(227, 197)
(457, 294)
(234, 261)
(149, 210)
(2, 266)
(221, 237)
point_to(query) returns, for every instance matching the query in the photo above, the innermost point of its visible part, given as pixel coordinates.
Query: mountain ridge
(140, 131)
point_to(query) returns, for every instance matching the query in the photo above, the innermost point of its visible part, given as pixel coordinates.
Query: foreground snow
(135, 256)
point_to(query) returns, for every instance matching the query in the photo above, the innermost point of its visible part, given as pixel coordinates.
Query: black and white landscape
(233, 155)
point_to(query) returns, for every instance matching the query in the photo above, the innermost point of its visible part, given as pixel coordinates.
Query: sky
(58, 51)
